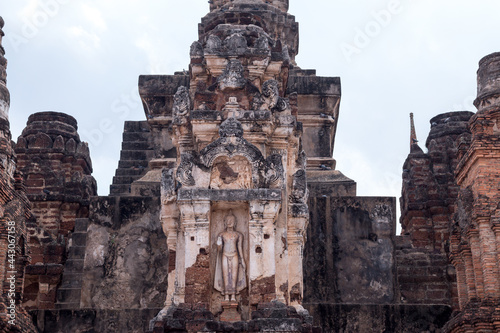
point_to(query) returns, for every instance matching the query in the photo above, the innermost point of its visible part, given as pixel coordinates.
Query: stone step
(119, 189)
(68, 306)
(81, 225)
(69, 283)
(123, 179)
(136, 126)
(136, 145)
(139, 164)
(136, 136)
(130, 172)
(79, 239)
(69, 295)
(73, 266)
(76, 252)
(136, 154)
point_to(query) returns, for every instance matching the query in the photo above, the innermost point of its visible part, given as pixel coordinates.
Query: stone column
(296, 230)
(461, 281)
(476, 262)
(194, 239)
(262, 237)
(469, 276)
(489, 259)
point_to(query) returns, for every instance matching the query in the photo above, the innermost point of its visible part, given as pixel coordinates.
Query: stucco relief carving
(167, 188)
(381, 213)
(185, 169)
(274, 170)
(299, 187)
(196, 49)
(236, 43)
(262, 44)
(231, 143)
(214, 44)
(231, 173)
(182, 106)
(270, 98)
(301, 161)
(233, 76)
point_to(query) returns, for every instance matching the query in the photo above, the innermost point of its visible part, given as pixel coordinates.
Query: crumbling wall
(15, 212)
(429, 192)
(56, 168)
(126, 256)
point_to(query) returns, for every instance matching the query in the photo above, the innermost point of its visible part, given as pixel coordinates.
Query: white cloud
(28, 10)
(94, 16)
(85, 40)
(156, 62)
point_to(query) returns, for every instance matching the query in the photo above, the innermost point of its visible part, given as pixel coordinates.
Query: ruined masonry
(227, 214)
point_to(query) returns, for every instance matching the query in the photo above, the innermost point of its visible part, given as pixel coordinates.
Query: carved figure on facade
(301, 161)
(233, 76)
(265, 172)
(381, 213)
(270, 99)
(196, 49)
(214, 44)
(167, 186)
(182, 106)
(231, 173)
(236, 44)
(231, 143)
(299, 195)
(262, 44)
(230, 270)
(299, 187)
(185, 169)
(274, 170)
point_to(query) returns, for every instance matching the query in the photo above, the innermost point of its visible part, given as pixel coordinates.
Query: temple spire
(414, 147)
(413, 134)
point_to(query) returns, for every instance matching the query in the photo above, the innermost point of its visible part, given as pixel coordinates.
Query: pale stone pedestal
(230, 312)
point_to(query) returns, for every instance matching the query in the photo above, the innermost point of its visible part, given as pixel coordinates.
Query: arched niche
(231, 173)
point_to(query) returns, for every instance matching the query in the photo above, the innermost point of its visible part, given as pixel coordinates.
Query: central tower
(231, 137)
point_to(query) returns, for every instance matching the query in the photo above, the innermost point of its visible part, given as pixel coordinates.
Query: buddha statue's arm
(240, 251)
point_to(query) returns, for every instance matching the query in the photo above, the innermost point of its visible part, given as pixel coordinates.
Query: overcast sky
(394, 57)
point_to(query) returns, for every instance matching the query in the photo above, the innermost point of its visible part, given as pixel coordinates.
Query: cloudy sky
(393, 56)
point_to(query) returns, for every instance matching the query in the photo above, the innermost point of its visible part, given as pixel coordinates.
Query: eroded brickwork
(475, 242)
(15, 211)
(429, 192)
(429, 189)
(56, 168)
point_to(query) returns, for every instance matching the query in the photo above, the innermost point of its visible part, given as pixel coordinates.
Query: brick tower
(475, 242)
(15, 212)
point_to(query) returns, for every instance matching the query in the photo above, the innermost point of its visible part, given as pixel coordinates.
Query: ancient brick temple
(227, 214)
